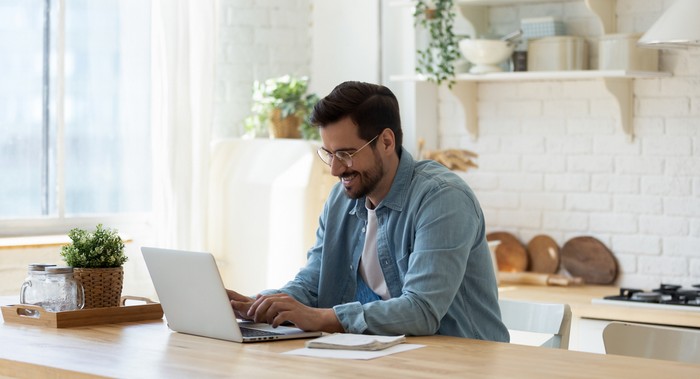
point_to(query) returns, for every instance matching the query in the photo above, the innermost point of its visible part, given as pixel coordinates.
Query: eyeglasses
(345, 157)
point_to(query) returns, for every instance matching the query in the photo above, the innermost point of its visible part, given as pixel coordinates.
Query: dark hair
(371, 107)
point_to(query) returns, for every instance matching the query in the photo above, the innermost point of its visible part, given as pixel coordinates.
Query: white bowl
(485, 54)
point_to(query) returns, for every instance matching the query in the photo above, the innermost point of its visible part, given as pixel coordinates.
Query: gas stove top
(667, 296)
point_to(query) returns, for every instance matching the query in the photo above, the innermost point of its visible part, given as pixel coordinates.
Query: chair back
(542, 318)
(652, 341)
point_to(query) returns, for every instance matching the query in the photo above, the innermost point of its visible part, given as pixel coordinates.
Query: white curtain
(183, 60)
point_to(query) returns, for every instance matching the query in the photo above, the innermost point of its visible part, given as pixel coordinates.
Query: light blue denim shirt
(433, 252)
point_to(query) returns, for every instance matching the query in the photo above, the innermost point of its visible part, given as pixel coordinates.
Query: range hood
(678, 27)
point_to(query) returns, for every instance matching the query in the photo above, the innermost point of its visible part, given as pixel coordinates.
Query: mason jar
(33, 290)
(63, 292)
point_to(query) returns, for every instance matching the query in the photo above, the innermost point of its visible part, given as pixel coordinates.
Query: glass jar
(33, 290)
(63, 292)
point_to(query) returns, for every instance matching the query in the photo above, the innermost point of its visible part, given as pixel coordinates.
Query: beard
(365, 181)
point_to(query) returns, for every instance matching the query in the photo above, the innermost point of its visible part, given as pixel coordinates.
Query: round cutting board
(510, 253)
(590, 259)
(543, 252)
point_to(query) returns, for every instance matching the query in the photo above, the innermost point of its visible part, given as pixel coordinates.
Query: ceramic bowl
(485, 54)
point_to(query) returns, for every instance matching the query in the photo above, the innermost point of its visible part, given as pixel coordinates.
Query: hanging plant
(436, 61)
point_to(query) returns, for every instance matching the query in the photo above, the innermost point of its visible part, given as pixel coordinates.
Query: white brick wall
(552, 156)
(554, 160)
(258, 39)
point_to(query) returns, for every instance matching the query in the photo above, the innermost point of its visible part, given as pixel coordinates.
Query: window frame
(59, 223)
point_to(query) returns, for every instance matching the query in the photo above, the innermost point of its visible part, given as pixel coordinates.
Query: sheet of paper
(349, 341)
(353, 354)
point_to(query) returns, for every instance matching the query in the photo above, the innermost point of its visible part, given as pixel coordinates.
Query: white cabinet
(617, 83)
(587, 335)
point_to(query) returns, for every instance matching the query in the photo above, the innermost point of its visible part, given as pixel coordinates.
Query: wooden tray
(36, 315)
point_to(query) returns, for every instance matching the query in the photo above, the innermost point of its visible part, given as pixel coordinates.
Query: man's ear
(387, 141)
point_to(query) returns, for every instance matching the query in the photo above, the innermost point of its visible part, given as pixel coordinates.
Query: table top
(150, 349)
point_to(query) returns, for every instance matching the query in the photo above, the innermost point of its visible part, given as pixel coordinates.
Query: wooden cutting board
(543, 252)
(589, 259)
(510, 253)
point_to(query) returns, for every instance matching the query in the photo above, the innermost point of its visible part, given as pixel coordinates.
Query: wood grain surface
(150, 350)
(543, 252)
(589, 259)
(511, 255)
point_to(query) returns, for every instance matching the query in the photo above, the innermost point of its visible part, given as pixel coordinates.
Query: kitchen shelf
(618, 83)
(475, 11)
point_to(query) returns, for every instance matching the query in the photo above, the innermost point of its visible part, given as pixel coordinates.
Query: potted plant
(281, 107)
(436, 60)
(97, 258)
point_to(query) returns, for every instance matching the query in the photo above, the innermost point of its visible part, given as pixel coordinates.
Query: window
(74, 108)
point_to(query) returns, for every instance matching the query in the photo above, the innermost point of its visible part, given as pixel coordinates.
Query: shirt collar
(399, 187)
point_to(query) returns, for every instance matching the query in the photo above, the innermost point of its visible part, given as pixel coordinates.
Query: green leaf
(99, 249)
(286, 93)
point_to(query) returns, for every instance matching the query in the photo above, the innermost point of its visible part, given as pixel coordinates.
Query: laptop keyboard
(247, 332)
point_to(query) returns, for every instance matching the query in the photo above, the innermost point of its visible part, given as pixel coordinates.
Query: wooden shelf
(543, 75)
(618, 83)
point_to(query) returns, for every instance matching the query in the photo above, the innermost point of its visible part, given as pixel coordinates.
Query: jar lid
(39, 266)
(59, 270)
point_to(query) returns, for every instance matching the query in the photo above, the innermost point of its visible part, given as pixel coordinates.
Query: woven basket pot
(287, 127)
(103, 286)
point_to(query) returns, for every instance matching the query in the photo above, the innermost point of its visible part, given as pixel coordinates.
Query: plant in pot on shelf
(97, 259)
(436, 60)
(281, 108)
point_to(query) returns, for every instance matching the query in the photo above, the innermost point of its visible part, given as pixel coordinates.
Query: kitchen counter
(580, 299)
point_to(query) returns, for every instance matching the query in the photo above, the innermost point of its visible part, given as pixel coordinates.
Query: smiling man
(400, 247)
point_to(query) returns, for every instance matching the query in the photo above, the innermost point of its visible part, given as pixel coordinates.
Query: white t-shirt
(370, 270)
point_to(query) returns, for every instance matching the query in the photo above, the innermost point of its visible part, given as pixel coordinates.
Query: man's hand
(240, 304)
(279, 308)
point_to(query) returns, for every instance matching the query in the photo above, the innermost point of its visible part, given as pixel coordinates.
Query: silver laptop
(194, 299)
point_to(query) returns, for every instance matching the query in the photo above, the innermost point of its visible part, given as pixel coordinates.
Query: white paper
(353, 354)
(349, 341)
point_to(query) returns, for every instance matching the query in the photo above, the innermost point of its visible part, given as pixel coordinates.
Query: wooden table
(150, 350)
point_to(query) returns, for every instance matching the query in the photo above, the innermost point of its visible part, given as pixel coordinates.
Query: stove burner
(666, 294)
(649, 297)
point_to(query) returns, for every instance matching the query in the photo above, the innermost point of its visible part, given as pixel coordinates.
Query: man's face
(367, 169)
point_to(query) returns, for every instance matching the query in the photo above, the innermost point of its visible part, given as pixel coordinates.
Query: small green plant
(99, 249)
(436, 60)
(286, 93)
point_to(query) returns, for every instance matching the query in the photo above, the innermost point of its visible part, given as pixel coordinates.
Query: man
(400, 247)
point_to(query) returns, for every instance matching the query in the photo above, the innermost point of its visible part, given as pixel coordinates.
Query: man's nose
(337, 167)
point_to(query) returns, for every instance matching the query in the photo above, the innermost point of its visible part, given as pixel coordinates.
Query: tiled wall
(553, 159)
(258, 39)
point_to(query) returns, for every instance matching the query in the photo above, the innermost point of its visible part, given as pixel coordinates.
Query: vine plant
(436, 60)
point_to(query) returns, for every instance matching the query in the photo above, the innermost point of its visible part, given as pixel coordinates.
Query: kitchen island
(589, 318)
(580, 298)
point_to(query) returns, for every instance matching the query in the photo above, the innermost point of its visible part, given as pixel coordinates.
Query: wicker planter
(103, 286)
(287, 127)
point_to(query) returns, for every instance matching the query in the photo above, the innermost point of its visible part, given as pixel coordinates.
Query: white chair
(553, 321)
(652, 341)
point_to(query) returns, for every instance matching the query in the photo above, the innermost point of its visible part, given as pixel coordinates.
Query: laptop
(194, 299)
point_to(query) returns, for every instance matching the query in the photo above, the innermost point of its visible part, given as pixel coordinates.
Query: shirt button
(363, 230)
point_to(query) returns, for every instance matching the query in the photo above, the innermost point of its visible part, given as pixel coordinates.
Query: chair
(542, 318)
(652, 341)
